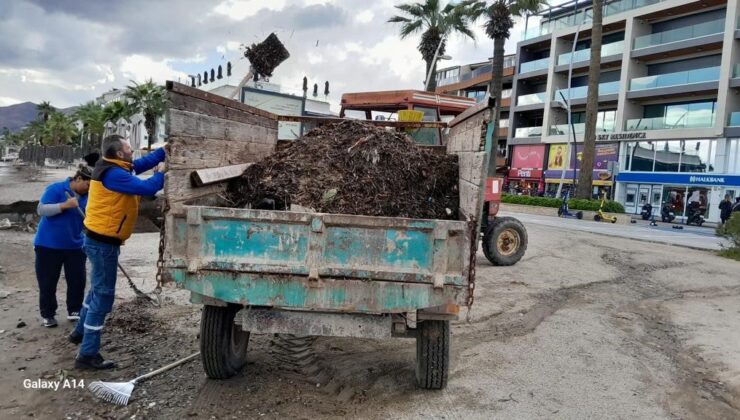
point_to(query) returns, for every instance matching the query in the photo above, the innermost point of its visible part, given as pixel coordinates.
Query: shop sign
(634, 135)
(679, 179)
(525, 173)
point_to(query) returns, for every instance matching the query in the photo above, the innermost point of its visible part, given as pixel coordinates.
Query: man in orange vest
(112, 209)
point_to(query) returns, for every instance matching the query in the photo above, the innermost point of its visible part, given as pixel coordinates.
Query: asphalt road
(690, 236)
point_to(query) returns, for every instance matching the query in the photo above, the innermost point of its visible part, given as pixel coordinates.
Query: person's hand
(71, 203)
(161, 167)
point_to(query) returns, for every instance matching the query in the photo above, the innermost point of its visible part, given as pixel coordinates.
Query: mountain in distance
(17, 116)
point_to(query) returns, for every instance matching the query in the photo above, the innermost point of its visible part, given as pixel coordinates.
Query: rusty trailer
(281, 272)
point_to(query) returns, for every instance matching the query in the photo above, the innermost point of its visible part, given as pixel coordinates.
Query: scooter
(694, 214)
(563, 210)
(601, 216)
(647, 211)
(667, 213)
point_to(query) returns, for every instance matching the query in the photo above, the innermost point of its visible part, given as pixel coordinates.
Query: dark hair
(84, 172)
(91, 158)
(112, 145)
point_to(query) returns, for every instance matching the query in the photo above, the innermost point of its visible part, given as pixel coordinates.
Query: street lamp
(434, 62)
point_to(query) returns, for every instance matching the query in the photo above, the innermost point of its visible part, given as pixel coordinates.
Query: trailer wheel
(432, 354)
(223, 344)
(505, 241)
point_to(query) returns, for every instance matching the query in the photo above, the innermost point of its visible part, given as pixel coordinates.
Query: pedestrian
(112, 210)
(725, 209)
(58, 243)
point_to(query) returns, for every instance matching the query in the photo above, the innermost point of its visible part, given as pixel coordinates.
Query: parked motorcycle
(694, 214)
(667, 213)
(647, 211)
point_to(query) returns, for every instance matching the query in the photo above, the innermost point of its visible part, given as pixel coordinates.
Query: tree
(59, 129)
(585, 179)
(93, 122)
(45, 110)
(115, 111)
(151, 100)
(499, 21)
(435, 23)
(35, 132)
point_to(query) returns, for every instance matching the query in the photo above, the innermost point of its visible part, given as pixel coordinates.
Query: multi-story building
(471, 81)
(669, 100)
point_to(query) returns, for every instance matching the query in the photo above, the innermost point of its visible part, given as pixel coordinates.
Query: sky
(71, 51)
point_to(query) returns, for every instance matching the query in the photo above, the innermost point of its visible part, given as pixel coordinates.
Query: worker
(58, 243)
(112, 210)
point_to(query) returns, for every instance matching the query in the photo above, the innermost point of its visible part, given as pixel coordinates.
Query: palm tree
(435, 23)
(151, 100)
(499, 17)
(93, 121)
(45, 110)
(36, 132)
(115, 111)
(585, 179)
(59, 129)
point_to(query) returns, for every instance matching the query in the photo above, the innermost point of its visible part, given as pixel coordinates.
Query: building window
(733, 156)
(670, 156)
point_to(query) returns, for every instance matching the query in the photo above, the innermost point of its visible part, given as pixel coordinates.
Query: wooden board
(203, 177)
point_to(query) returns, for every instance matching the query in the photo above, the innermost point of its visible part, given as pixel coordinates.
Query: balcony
(709, 74)
(528, 132)
(611, 8)
(608, 88)
(682, 34)
(584, 55)
(448, 80)
(531, 99)
(580, 128)
(735, 79)
(687, 120)
(535, 65)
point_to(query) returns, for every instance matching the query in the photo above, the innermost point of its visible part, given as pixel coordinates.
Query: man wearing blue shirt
(58, 243)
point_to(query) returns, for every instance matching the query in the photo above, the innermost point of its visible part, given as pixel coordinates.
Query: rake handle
(166, 368)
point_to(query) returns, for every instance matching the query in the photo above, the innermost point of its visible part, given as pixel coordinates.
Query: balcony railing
(505, 93)
(531, 99)
(535, 65)
(528, 132)
(681, 34)
(448, 80)
(584, 55)
(687, 120)
(580, 128)
(734, 120)
(608, 88)
(736, 71)
(709, 74)
(509, 61)
(611, 8)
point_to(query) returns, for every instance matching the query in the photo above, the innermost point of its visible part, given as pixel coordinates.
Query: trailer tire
(505, 241)
(223, 344)
(432, 354)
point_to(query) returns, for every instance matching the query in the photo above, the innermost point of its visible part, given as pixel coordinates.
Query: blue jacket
(64, 230)
(122, 181)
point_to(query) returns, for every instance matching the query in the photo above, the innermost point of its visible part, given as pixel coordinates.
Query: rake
(119, 392)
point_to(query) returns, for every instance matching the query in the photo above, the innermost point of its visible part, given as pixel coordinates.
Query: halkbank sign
(680, 179)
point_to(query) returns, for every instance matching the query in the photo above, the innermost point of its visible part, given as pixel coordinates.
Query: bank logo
(707, 179)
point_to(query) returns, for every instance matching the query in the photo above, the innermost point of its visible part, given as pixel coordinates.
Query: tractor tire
(432, 354)
(223, 344)
(505, 241)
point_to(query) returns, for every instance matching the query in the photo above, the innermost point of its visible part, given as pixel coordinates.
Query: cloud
(5, 101)
(70, 52)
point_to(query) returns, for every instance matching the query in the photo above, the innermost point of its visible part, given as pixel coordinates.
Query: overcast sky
(70, 51)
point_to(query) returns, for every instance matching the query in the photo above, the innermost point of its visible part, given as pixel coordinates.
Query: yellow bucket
(410, 116)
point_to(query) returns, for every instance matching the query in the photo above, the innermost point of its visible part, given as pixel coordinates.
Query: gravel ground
(585, 326)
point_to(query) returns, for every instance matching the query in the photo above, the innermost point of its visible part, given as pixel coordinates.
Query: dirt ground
(585, 326)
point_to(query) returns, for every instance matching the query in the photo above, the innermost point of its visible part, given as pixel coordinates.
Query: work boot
(75, 337)
(93, 362)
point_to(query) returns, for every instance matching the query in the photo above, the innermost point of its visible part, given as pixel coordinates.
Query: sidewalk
(689, 237)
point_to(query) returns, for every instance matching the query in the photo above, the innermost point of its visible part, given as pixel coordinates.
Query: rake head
(114, 392)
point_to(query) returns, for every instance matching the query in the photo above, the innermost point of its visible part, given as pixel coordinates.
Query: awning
(596, 182)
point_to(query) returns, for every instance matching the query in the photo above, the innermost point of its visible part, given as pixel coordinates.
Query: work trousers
(49, 263)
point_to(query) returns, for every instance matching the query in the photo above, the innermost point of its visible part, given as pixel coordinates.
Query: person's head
(116, 147)
(80, 182)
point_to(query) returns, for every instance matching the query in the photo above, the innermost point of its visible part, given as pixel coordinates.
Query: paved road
(689, 236)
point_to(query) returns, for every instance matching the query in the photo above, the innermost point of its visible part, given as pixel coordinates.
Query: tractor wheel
(505, 241)
(223, 343)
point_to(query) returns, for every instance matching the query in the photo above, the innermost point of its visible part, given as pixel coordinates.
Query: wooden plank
(394, 124)
(201, 106)
(199, 153)
(179, 88)
(185, 123)
(213, 175)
